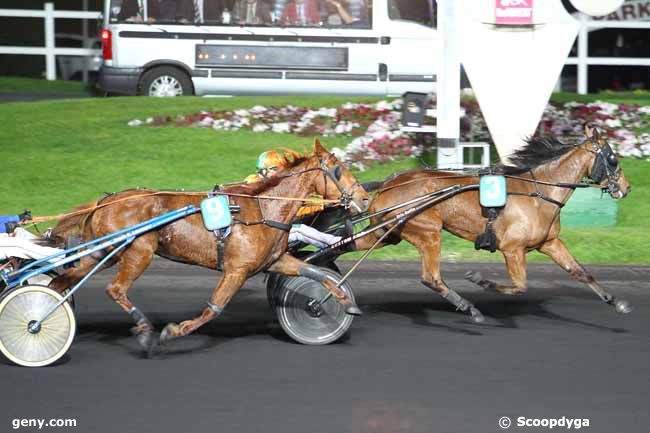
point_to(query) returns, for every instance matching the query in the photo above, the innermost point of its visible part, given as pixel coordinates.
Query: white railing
(50, 51)
(583, 60)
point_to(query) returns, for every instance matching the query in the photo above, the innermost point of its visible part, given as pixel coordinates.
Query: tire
(165, 81)
(24, 304)
(291, 297)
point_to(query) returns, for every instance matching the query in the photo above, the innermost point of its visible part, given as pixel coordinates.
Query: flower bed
(375, 135)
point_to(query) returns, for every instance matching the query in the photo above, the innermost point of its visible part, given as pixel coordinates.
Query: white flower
(258, 109)
(135, 122)
(281, 127)
(613, 123)
(206, 122)
(260, 127)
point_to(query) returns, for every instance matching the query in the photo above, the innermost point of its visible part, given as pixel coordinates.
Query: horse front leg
(516, 267)
(291, 266)
(557, 250)
(230, 284)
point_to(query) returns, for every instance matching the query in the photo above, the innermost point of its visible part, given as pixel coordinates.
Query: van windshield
(281, 13)
(419, 11)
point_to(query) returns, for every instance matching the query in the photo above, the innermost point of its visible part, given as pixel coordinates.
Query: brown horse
(257, 241)
(529, 221)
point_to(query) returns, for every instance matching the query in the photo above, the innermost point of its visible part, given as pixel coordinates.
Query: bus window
(418, 11)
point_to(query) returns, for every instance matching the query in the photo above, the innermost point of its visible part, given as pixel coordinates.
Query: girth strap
(273, 224)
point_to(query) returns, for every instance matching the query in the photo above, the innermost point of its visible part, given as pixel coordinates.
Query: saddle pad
(216, 212)
(492, 191)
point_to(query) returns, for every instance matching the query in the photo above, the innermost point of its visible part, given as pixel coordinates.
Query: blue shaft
(18, 277)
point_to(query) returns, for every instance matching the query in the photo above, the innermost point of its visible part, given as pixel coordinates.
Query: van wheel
(165, 81)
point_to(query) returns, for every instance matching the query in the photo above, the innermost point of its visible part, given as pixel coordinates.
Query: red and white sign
(515, 12)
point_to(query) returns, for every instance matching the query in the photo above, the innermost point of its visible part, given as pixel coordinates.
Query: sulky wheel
(35, 347)
(301, 320)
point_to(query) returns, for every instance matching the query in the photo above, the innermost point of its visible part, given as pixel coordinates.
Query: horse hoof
(477, 316)
(474, 277)
(169, 333)
(622, 306)
(353, 310)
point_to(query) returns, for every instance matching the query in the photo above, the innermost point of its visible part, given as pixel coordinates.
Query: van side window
(284, 13)
(419, 11)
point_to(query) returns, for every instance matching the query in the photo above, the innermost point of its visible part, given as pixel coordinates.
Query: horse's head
(337, 182)
(605, 170)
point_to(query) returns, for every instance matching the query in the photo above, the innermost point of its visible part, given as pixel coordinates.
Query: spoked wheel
(303, 318)
(29, 346)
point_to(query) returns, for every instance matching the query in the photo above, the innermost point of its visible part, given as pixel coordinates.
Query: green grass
(58, 154)
(34, 85)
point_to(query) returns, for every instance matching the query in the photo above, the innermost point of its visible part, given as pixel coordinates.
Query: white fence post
(50, 64)
(583, 54)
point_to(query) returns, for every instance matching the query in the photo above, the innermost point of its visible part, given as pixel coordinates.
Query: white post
(84, 33)
(583, 53)
(448, 87)
(50, 64)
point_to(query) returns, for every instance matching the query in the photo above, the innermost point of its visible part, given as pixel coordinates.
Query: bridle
(605, 166)
(334, 174)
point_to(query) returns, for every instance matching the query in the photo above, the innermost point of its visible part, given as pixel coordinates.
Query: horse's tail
(69, 229)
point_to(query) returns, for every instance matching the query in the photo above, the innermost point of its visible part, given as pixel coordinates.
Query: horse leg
(516, 267)
(557, 250)
(231, 282)
(132, 263)
(428, 244)
(291, 266)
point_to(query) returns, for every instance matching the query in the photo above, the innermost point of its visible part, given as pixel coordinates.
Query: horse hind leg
(557, 250)
(428, 244)
(231, 282)
(132, 263)
(516, 267)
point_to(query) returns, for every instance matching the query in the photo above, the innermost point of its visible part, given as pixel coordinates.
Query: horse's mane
(293, 159)
(538, 151)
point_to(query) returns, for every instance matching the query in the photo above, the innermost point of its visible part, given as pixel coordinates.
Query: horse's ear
(589, 132)
(318, 148)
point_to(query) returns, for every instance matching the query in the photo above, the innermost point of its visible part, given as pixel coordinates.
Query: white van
(360, 47)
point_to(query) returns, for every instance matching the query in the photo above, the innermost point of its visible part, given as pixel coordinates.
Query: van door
(410, 41)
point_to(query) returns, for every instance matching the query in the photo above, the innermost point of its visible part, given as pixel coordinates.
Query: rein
(40, 219)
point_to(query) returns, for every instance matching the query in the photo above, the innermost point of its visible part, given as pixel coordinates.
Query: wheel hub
(314, 308)
(34, 327)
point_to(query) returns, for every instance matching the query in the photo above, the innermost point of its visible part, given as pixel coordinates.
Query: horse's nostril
(629, 189)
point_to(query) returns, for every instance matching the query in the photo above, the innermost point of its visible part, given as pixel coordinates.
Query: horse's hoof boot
(353, 310)
(477, 316)
(622, 306)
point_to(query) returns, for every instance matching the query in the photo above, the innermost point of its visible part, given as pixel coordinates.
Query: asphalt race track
(411, 364)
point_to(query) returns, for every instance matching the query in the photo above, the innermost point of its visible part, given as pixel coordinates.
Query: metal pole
(50, 65)
(583, 54)
(448, 87)
(84, 33)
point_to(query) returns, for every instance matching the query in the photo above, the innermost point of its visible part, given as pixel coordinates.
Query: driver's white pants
(21, 244)
(311, 236)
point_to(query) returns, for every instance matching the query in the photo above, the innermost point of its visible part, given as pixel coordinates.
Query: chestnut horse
(529, 221)
(257, 242)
